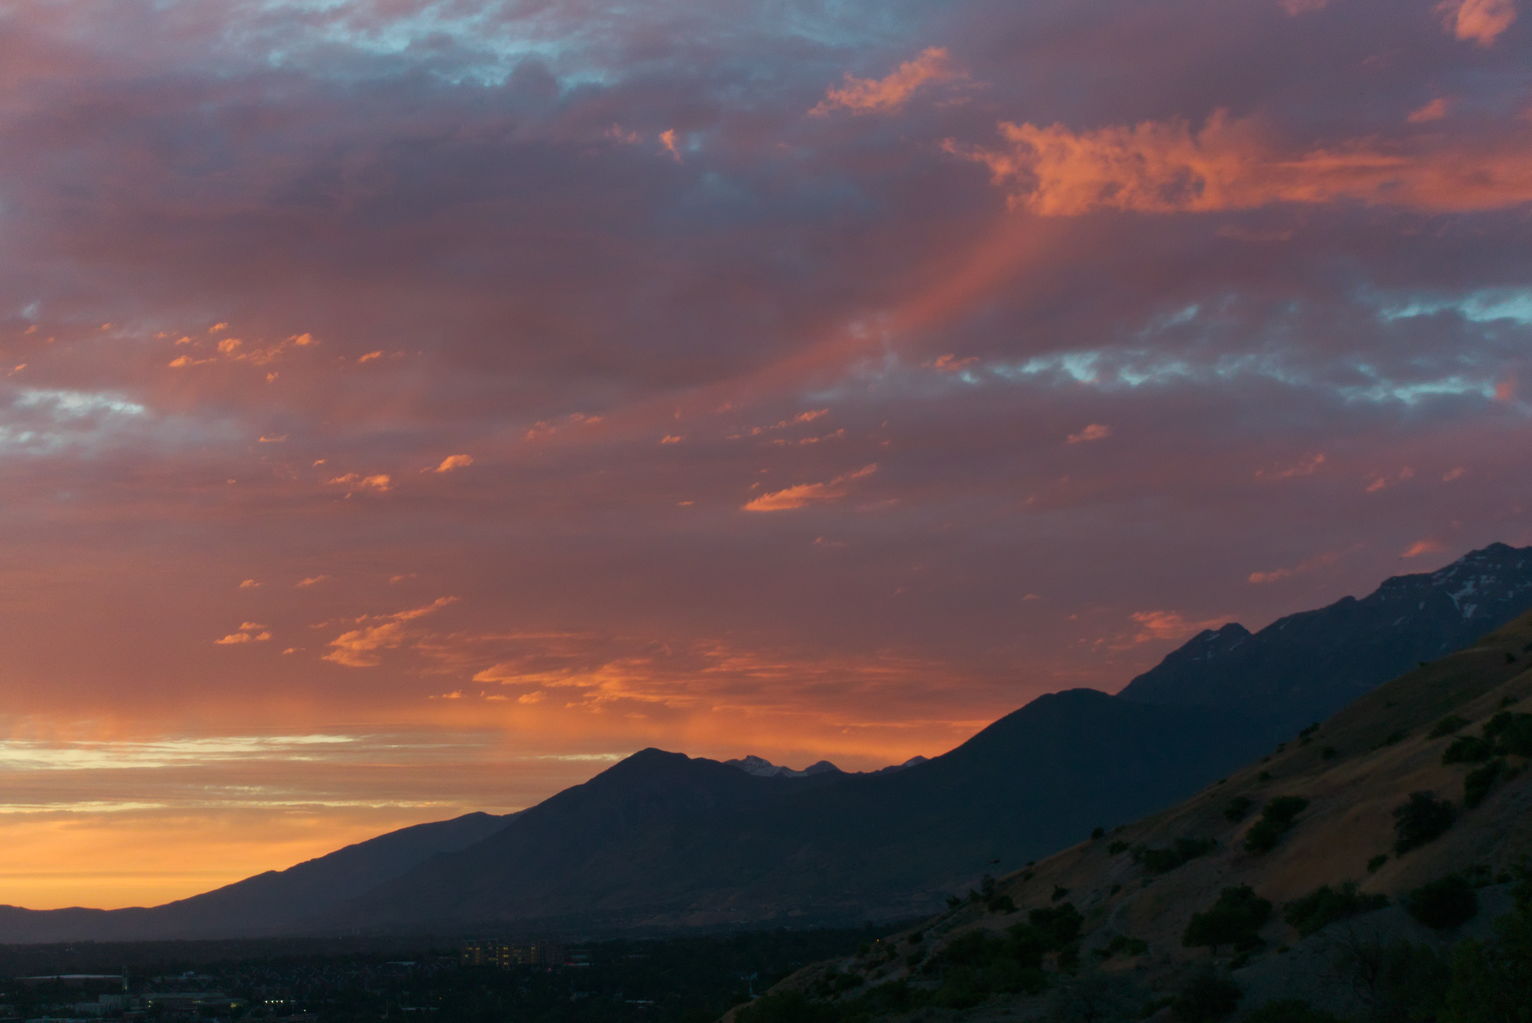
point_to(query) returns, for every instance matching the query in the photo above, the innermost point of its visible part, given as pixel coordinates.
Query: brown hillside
(1353, 771)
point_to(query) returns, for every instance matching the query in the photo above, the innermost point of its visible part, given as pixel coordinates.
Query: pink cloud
(883, 95)
(362, 647)
(1479, 21)
(452, 463)
(1093, 432)
(1234, 164)
(1435, 110)
(1420, 547)
(809, 493)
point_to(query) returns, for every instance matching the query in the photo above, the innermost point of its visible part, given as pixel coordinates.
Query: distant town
(490, 979)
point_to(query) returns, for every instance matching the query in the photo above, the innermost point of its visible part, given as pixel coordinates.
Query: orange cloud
(1154, 626)
(1481, 21)
(355, 483)
(1095, 431)
(1306, 466)
(951, 363)
(1432, 111)
(881, 95)
(452, 462)
(248, 632)
(1232, 164)
(809, 493)
(1420, 547)
(360, 648)
(250, 584)
(313, 580)
(1305, 566)
(668, 142)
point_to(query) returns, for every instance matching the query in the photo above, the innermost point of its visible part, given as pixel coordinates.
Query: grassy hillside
(1340, 871)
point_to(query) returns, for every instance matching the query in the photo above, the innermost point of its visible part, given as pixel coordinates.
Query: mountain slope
(662, 840)
(1137, 895)
(1306, 666)
(275, 902)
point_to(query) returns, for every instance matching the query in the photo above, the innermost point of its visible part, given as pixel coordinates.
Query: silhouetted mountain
(275, 902)
(1306, 666)
(663, 841)
(1393, 830)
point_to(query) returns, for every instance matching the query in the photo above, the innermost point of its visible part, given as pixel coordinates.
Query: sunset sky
(411, 406)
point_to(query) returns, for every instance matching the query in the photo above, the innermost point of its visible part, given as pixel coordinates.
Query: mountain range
(1376, 868)
(662, 841)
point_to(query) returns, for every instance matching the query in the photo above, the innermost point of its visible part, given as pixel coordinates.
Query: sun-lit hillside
(1336, 808)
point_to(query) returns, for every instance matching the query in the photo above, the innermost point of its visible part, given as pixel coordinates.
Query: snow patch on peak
(763, 768)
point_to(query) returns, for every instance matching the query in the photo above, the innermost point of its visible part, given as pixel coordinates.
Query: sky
(410, 407)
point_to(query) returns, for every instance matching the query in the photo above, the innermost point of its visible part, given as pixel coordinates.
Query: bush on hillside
(1160, 861)
(1468, 749)
(1422, 818)
(1446, 726)
(1479, 781)
(1325, 905)
(1289, 1010)
(1511, 733)
(1238, 807)
(1277, 819)
(1444, 903)
(1206, 998)
(1235, 918)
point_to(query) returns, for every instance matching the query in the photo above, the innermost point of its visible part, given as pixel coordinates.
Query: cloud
(1308, 465)
(452, 462)
(1161, 626)
(362, 647)
(250, 584)
(668, 142)
(1092, 432)
(1479, 21)
(357, 483)
(1302, 568)
(1435, 110)
(1233, 164)
(248, 632)
(311, 580)
(951, 363)
(884, 95)
(1297, 7)
(1422, 547)
(809, 493)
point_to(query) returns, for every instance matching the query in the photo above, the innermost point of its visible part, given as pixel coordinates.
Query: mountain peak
(760, 767)
(1305, 666)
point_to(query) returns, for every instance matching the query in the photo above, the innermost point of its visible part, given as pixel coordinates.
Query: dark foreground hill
(662, 841)
(1374, 869)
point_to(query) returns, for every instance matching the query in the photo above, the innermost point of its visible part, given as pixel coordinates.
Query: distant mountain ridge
(662, 841)
(1306, 666)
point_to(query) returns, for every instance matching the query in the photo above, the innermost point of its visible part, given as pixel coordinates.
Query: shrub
(1117, 848)
(1238, 807)
(1376, 863)
(1480, 780)
(1096, 834)
(1123, 945)
(1329, 753)
(1235, 918)
(1208, 997)
(1325, 905)
(1289, 1010)
(1467, 749)
(1446, 726)
(1159, 861)
(1276, 820)
(1444, 903)
(1511, 733)
(1059, 925)
(1421, 819)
